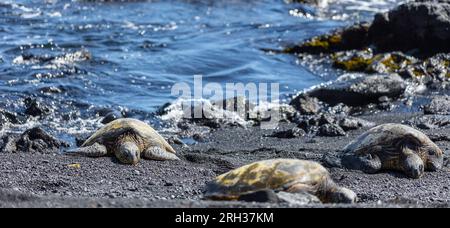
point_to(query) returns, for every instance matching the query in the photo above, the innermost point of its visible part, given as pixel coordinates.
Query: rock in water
(360, 90)
(354, 37)
(8, 117)
(110, 117)
(420, 24)
(35, 108)
(438, 105)
(34, 140)
(313, 2)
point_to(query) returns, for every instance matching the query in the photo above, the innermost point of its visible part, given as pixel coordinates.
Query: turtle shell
(110, 132)
(385, 140)
(276, 174)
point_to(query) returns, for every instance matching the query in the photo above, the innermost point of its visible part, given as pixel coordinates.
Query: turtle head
(435, 158)
(128, 153)
(413, 166)
(341, 195)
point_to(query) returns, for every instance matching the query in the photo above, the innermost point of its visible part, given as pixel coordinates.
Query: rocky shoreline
(396, 71)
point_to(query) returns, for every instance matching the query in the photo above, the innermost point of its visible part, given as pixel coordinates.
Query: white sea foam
(60, 126)
(175, 112)
(67, 59)
(348, 9)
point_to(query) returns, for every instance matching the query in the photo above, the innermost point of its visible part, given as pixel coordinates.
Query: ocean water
(82, 57)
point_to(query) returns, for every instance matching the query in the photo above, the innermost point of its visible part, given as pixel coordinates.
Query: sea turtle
(289, 175)
(393, 147)
(128, 140)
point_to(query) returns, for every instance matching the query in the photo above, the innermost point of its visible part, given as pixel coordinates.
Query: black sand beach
(34, 180)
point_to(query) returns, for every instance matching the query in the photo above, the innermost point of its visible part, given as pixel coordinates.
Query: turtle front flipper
(159, 154)
(368, 163)
(95, 150)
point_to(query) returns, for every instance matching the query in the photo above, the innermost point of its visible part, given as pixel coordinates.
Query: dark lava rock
(340, 109)
(311, 123)
(114, 115)
(438, 105)
(326, 119)
(323, 44)
(8, 117)
(430, 121)
(306, 105)
(366, 61)
(416, 25)
(331, 130)
(307, 123)
(289, 134)
(164, 109)
(52, 90)
(350, 124)
(263, 196)
(423, 25)
(35, 108)
(356, 36)
(34, 140)
(360, 90)
(330, 125)
(353, 37)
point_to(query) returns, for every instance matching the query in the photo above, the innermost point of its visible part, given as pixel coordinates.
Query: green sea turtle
(393, 147)
(289, 175)
(128, 140)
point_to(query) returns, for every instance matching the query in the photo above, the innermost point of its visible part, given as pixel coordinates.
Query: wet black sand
(43, 180)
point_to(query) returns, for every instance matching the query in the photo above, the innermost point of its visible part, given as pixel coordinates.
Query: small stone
(331, 130)
(326, 119)
(306, 105)
(291, 133)
(74, 166)
(168, 184)
(349, 124)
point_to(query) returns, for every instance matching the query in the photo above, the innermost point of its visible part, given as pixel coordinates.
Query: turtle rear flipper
(95, 150)
(159, 154)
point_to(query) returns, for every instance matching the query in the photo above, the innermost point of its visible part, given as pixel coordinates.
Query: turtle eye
(431, 152)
